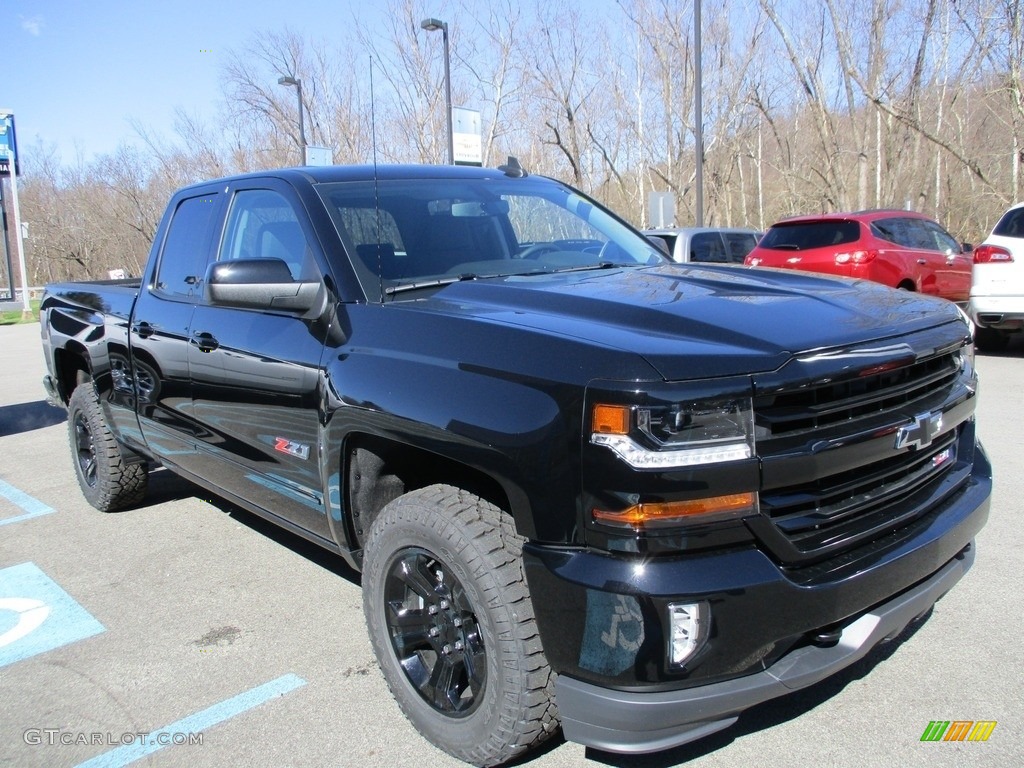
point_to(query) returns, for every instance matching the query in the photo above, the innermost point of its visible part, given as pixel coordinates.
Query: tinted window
(940, 239)
(186, 248)
(815, 234)
(738, 245)
(1012, 224)
(263, 225)
(420, 233)
(707, 246)
(920, 237)
(895, 231)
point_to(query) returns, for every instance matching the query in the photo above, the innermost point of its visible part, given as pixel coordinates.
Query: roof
(332, 173)
(867, 215)
(696, 230)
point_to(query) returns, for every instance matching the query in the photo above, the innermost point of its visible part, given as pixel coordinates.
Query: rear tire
(108, 481)
(452, 625)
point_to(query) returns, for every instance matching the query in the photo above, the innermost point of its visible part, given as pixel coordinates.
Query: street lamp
(302, 131)
(431, 25)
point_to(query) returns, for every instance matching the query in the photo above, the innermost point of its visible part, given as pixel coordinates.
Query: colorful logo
(958, 730)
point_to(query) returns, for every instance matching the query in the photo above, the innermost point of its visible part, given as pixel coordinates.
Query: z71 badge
(291, 447)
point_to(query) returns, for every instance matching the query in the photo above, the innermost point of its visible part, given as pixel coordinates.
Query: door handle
(143, 329)
(206, 341)
(922, 262)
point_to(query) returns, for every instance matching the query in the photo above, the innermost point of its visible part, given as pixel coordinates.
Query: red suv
(901, 249)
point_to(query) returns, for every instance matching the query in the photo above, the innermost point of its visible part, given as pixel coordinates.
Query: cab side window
(263, 225)
(186, 248)
(707, 246)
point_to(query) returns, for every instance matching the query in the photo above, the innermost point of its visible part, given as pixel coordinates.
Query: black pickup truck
(585, 487)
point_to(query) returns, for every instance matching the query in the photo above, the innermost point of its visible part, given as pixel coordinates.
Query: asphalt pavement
(231, 642)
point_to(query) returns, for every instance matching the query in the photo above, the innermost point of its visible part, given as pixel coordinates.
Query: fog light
(687, 627)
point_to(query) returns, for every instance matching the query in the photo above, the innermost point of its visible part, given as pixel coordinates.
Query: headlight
(679, 435)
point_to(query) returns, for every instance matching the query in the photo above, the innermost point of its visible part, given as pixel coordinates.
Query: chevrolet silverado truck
(586, 487)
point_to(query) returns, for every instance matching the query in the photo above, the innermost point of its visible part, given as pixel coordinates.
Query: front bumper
(603, 620)
(620, 721)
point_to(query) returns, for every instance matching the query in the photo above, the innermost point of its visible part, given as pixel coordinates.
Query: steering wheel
(535, 250)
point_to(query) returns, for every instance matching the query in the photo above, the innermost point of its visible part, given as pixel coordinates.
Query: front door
(255, 373)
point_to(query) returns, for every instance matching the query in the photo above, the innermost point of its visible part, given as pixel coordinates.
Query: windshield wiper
(433, 283)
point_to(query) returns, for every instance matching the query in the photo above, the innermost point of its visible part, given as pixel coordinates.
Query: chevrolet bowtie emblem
(921, 432)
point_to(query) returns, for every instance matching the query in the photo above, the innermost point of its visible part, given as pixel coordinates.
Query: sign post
(9, 163)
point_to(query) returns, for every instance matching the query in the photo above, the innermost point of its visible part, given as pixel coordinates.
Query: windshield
(411, 235)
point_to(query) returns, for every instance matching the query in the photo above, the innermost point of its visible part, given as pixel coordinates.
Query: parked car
(714, 244)
(997, 282)
(901, 249)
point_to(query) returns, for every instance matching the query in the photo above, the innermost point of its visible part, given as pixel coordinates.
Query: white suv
(997, 282)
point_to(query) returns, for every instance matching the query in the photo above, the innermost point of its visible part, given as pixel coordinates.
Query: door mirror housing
(260, 284)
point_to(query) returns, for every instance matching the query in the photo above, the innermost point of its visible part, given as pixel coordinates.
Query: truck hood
(696, 322)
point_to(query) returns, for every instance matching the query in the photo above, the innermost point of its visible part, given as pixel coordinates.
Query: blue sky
(78, 73)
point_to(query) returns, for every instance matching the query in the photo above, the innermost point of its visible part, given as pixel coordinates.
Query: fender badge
(292, 448)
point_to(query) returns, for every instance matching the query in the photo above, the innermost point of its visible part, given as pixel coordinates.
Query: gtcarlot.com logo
(958, 730)
(50, 737)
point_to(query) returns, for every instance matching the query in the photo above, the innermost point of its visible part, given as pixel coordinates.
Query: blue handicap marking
(36, 615)
(28, 506)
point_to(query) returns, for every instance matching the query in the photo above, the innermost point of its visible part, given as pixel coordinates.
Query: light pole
(698, 118)
(432, 25)
(302, 130)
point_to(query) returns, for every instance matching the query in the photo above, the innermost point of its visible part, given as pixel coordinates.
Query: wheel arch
(378, 470)
(71, 367)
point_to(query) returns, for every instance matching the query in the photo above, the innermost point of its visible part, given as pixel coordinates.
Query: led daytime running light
(639, 457)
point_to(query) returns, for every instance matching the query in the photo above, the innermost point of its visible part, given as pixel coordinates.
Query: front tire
(108, 481)
(453, 628)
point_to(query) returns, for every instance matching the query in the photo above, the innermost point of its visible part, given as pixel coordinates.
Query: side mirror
(259, 284)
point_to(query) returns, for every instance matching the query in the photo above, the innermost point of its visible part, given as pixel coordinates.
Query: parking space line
(196, 723)
(31, 507)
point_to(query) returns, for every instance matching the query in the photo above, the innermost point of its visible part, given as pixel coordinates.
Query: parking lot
(231, 642)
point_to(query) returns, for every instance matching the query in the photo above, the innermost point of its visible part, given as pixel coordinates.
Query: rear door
(255, 373)
(953, 271)
(158, 335)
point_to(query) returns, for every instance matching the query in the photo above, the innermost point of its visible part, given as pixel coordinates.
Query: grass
(14, 316)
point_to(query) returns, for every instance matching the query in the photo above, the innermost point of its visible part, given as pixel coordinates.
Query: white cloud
(33, 24)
